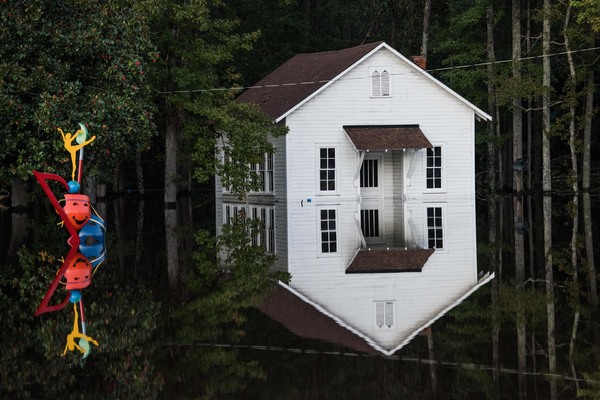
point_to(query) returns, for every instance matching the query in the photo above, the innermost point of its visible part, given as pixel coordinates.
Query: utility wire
(458, 365)
(443, 69)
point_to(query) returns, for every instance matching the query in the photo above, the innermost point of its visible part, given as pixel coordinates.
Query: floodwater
(153, 347)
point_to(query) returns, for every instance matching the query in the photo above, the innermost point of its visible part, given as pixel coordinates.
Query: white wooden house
(369, 200)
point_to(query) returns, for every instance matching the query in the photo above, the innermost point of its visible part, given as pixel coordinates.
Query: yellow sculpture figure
(71, 345)
(68, 138)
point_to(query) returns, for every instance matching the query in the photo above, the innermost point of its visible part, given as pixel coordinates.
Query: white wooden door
(371, 191)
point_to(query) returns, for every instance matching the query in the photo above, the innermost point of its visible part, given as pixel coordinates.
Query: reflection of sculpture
(84, 340)
(77, 269)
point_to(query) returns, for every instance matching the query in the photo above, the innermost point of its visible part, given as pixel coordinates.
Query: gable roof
(305, 318)
(300, 77)
(304, 75)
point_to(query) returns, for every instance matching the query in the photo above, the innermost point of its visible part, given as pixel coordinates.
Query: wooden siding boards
(315, 118)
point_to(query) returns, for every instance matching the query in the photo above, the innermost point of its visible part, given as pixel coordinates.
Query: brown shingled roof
(392, 260)
(387, 137)
(304, 320)
(299, 77)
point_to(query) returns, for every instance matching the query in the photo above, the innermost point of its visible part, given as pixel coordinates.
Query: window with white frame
(433, 168)
(230, 211)
(384, 313)
(369, 174)
(264, 235)
(262, 171)
(226, 161)
(435, 227)
(369, 223)
(380, 81)
(328, 230)
(327, 169)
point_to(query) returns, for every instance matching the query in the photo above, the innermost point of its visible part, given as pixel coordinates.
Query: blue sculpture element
(91, 238)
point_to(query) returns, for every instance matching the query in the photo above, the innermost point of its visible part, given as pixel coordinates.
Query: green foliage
(243, 135)
(461, 45)
(589, 12)
(120, 315)
(230, 277)
(590, 391)
(198, 76)
(65, 62)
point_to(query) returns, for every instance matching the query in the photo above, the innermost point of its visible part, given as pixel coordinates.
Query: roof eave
(484, 279)
(316, 92)
(478, 112)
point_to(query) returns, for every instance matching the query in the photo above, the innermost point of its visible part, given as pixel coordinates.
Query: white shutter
(379, 314)
(389, 314)
(384, 315)
(376, 79)
(385, 83)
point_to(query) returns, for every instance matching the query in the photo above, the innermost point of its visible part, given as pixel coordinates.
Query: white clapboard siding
(280, 203)
(447, 121)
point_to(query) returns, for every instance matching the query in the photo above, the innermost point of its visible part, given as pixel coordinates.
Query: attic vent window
(380, 82)
(384, 312)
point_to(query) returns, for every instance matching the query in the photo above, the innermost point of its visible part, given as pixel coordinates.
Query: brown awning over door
(387, 137)
(392, 260)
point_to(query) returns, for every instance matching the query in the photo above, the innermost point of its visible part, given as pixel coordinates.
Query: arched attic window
(380, 82)
(376, 83)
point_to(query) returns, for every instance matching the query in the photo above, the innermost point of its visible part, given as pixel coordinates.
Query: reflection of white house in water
(369, 201)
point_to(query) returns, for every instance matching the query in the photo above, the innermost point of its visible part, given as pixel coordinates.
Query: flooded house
(369, 201)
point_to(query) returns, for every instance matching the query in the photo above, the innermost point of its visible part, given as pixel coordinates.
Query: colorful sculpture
(86, 240)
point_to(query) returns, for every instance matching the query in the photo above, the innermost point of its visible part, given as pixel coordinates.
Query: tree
(519, 241)
(225, 284)
(198, 84)
(49, 82)
(492, 197)
(547, 202)
(589, 14)
(121, 314)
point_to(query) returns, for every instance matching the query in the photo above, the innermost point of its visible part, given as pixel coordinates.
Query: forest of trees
(155, 81)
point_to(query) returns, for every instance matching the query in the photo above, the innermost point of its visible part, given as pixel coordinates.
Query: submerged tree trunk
(18, 204)
(492, 195)
(547, 202)
(519, 242)
(171, 204)
(139, 236)
(432, 366)
(119, 213)
(572, 95)
(587, 207)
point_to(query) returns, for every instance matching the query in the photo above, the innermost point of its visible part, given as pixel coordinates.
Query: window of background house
(264, 171)
(264, 235)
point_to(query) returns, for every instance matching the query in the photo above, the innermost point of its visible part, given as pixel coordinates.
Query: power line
(442, 69)
(452, 364)
(483, 64)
